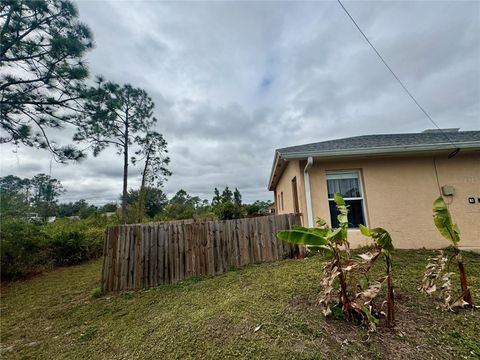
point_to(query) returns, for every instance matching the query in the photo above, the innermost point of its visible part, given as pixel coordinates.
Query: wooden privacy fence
(145, 255)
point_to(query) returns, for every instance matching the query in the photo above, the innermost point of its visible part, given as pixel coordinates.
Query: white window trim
(337, 174)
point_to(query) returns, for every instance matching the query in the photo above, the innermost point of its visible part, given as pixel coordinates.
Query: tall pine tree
(119, 116)
(42, 67)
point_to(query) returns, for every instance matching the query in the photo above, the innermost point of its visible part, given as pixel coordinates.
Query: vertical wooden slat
(218, 238)
(188, 250)
(181, 251)
(123, 257)
(166, 254)
(228, 244)
(155, 257)
(278, 241)
(160, 256)
(201, 247)
(236, 243)
(131, 257)
(222, 233)
(118, 262)
(171, 251)
(272, 239)
(210, 248)
(104, 260)
(138, 257)
(148, 248)
(246, 243)
(177, 252)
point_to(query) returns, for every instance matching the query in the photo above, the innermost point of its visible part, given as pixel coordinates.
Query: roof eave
(272, 173)
(383, 150)
(391, 150)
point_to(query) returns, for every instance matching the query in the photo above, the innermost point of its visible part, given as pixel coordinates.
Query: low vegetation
(29, 243)
(28, 247)
(266, 311)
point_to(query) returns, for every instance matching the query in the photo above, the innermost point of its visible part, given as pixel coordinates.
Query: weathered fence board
(144, 255)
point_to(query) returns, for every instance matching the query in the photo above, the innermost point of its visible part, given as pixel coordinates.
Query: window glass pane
(355, 213)
(346, 187)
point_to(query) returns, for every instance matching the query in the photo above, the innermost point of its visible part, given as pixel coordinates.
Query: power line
(400, 81)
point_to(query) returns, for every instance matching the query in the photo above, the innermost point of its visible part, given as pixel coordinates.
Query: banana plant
(450, 231)
(383, 243)
(328, 242)
(356, 305)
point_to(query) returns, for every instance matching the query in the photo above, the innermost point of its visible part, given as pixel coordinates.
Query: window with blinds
(349, 185)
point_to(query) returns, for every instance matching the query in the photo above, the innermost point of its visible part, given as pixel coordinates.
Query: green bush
(96, 293)
(24, 247)
(27, 247)
(74, 241)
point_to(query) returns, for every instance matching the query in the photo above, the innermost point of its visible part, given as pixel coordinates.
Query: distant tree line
(40, 195)
(224, 206)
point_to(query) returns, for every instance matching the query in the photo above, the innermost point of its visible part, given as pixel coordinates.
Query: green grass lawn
(53, 316)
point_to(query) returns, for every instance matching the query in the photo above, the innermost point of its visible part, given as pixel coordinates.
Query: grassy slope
(53, 316)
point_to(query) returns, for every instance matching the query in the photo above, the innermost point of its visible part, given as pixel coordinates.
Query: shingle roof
(385, 141)
(368, 145)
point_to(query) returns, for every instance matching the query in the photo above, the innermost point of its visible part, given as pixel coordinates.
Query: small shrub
(69, 247)
(337, 312)
(97, 292)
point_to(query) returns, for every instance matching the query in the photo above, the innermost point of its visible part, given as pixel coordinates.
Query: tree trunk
(390, 295)
(347, 308)
(142, 194)
(125, 173)
(467, 295)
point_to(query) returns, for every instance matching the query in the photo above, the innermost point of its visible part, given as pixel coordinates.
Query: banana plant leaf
(443, 221)
(335, 235)
(322, 232)
(302, 237)
(381, 237)
(308, 236)
(342, 214)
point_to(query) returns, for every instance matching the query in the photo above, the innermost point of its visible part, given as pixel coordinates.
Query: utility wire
(400, 82)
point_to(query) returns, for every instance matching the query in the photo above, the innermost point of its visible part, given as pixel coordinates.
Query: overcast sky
(234, 81)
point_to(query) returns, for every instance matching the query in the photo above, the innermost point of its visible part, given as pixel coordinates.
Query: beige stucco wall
(284, 186)
(399, 193)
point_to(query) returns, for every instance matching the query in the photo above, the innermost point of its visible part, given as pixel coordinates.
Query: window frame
(360, 186)
(296, 203)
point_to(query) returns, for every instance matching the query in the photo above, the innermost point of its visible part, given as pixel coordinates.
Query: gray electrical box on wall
(448, 190)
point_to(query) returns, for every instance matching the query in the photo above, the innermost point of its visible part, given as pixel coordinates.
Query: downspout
(308, 195)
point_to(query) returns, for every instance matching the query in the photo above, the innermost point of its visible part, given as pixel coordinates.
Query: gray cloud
(234, 81)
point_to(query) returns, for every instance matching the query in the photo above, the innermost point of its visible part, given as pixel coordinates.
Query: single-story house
(389, 181)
